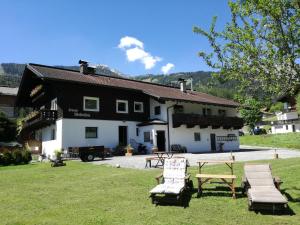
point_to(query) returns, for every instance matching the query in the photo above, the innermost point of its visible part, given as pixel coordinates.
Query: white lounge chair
(175, 179)
(262, 192)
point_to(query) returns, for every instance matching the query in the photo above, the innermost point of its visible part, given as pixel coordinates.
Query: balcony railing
(192, 120)
(40, 119)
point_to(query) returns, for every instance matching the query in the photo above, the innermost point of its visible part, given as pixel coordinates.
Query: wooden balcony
(192, 120)
(40, 119)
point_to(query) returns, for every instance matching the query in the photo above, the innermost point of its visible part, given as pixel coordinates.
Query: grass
(82, 193)
(289, 140)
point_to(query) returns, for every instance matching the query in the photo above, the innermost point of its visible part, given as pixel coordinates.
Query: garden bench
(149, 160)
(226, 178)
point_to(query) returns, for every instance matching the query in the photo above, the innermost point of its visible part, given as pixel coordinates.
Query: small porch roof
(152, 122)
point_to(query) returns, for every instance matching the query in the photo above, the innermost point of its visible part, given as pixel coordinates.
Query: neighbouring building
(75, 109)
(287, 120)
(7, 101)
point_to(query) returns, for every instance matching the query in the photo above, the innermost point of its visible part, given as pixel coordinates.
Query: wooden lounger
(262, 192)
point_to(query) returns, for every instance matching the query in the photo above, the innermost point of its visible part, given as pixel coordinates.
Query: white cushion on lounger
(174, 177)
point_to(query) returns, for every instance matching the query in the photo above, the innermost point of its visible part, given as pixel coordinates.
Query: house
(287, 120)
(80, 108)
(8, 97)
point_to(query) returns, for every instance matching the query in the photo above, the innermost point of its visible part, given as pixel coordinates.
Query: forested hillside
(202, 81)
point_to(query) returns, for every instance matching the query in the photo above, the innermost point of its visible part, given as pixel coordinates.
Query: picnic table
(227, 179)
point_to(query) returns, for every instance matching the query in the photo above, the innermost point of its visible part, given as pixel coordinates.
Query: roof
(159, 91)
(8, 91)
(152, 122)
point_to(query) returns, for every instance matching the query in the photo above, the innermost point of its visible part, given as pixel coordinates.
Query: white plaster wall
(163, 110)
(73, 132)
(281, 129)
(185, 137)
(152, 129)
(48, 145)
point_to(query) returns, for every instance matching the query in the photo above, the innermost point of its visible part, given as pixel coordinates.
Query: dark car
(241, 133)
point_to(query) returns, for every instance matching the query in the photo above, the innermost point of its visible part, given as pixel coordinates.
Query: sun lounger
(175, 179)
(261, 190)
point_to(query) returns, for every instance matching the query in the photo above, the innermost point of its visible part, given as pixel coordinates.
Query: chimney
(182, 84)
(85, 68)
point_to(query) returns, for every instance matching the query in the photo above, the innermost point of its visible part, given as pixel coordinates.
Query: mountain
(11, 73)
(200, 80)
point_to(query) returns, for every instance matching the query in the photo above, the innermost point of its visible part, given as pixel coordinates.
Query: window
(157, 110)
(178, 109)
(222, 112)
(90, 104)
(206, 112)
(53, 134)
(197, 136)
(137, 131)
(91, 132)
(138, 107)
(54, 104)
(147, 136)
(122, 106)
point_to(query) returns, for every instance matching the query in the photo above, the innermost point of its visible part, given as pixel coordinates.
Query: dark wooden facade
(70, 96)
(192, 120)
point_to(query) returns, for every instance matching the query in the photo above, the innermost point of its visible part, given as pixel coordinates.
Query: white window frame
(142, 107)
(91, 98)
(54, 104)
(122, 101)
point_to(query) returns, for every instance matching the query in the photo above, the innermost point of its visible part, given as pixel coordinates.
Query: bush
(1, 159)
(26, 155)
(119, 150)
(7, 158)
(17, 157)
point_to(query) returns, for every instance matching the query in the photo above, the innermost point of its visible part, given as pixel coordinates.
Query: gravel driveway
(247, 153)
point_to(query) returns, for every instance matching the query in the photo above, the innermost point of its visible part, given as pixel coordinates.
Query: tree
(277, 107)
(7, 129)
(259, 48)
(250, 112)
(298, 103)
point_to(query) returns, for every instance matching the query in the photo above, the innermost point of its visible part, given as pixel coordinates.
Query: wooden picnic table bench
(153, 158)
(226, 178)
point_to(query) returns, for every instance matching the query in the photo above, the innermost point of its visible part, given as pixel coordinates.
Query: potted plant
(57, 153)
(129, 150)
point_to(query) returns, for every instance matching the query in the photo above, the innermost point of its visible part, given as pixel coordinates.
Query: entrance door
(213, 142)
(294, 128)
(123, 135)
(161, 140)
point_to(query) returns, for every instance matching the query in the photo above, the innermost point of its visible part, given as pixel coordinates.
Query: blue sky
(60, 32)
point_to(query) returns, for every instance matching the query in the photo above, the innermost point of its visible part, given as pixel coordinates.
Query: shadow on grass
(221, 191)
(279, 212)
(172, 200)
(288, 196)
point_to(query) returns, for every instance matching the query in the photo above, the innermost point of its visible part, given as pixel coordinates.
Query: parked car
(259, 131)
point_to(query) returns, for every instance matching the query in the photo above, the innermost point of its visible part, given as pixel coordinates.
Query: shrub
(17, 157)
(1, 159)
(7, 158)
(119, 150)
(26, 155)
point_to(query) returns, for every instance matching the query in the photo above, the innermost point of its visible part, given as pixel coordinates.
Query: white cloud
(134, 49)
(150, 61)
(136, 53)
(166, 68)
(127, 42)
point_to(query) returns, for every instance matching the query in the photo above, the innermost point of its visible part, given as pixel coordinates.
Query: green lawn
(289, 140)
(82, 193)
